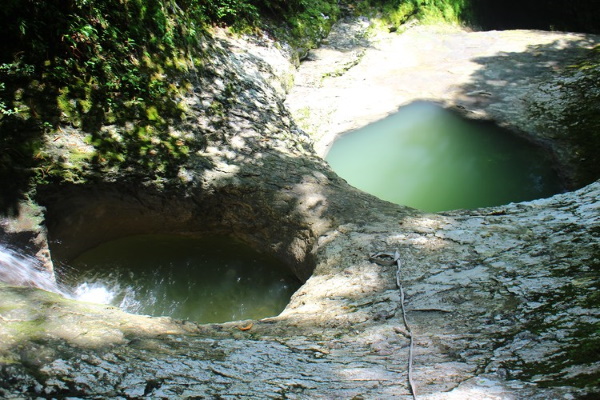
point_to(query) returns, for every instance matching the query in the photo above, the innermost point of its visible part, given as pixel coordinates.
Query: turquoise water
(213, 279)
(432, 159)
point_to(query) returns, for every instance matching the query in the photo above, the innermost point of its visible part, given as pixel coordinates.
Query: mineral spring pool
(432, 159)
(208, 280)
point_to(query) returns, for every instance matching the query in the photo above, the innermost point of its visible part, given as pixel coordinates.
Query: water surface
(432, 159)
(213, 279)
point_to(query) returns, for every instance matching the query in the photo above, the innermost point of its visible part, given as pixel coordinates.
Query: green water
(429, 158)
(214, 279)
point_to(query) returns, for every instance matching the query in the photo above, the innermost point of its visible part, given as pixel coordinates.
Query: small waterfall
(21, 270)
(18, 269)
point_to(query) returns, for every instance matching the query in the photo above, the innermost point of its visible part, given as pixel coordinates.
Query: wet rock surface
(501, 301)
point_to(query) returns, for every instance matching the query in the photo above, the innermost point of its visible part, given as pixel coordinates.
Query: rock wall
(501, 302)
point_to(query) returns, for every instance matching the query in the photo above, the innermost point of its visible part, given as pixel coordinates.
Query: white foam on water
(94, 293)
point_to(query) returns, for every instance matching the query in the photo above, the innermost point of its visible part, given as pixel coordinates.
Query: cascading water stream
(18, 269)
(21, 270)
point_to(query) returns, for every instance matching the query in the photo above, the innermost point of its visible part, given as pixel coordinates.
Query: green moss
(341, 70)
(152, 114)
(5, 308)
(581, 114)
(121, 63)
(28, 329)
(126, 64)
(303, 118)
(583, 348)
(300, 23)
(580, 342)
(392, 14)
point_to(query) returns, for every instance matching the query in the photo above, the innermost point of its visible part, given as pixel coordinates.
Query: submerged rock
(500, 301)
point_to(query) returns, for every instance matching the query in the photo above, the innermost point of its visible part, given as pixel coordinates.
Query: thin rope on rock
(410, 335)
(384, 258)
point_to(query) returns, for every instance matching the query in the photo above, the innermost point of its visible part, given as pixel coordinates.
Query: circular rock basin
(207, 280)
(432, 159)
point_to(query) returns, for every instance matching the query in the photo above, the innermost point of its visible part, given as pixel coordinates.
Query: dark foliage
(562, 15)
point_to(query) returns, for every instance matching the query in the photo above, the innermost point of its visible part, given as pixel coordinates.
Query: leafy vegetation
(122, 64)
(394, 13)
(89, 64)
(119, 71)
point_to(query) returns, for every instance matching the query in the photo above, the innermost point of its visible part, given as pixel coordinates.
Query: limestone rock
(501, 301)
